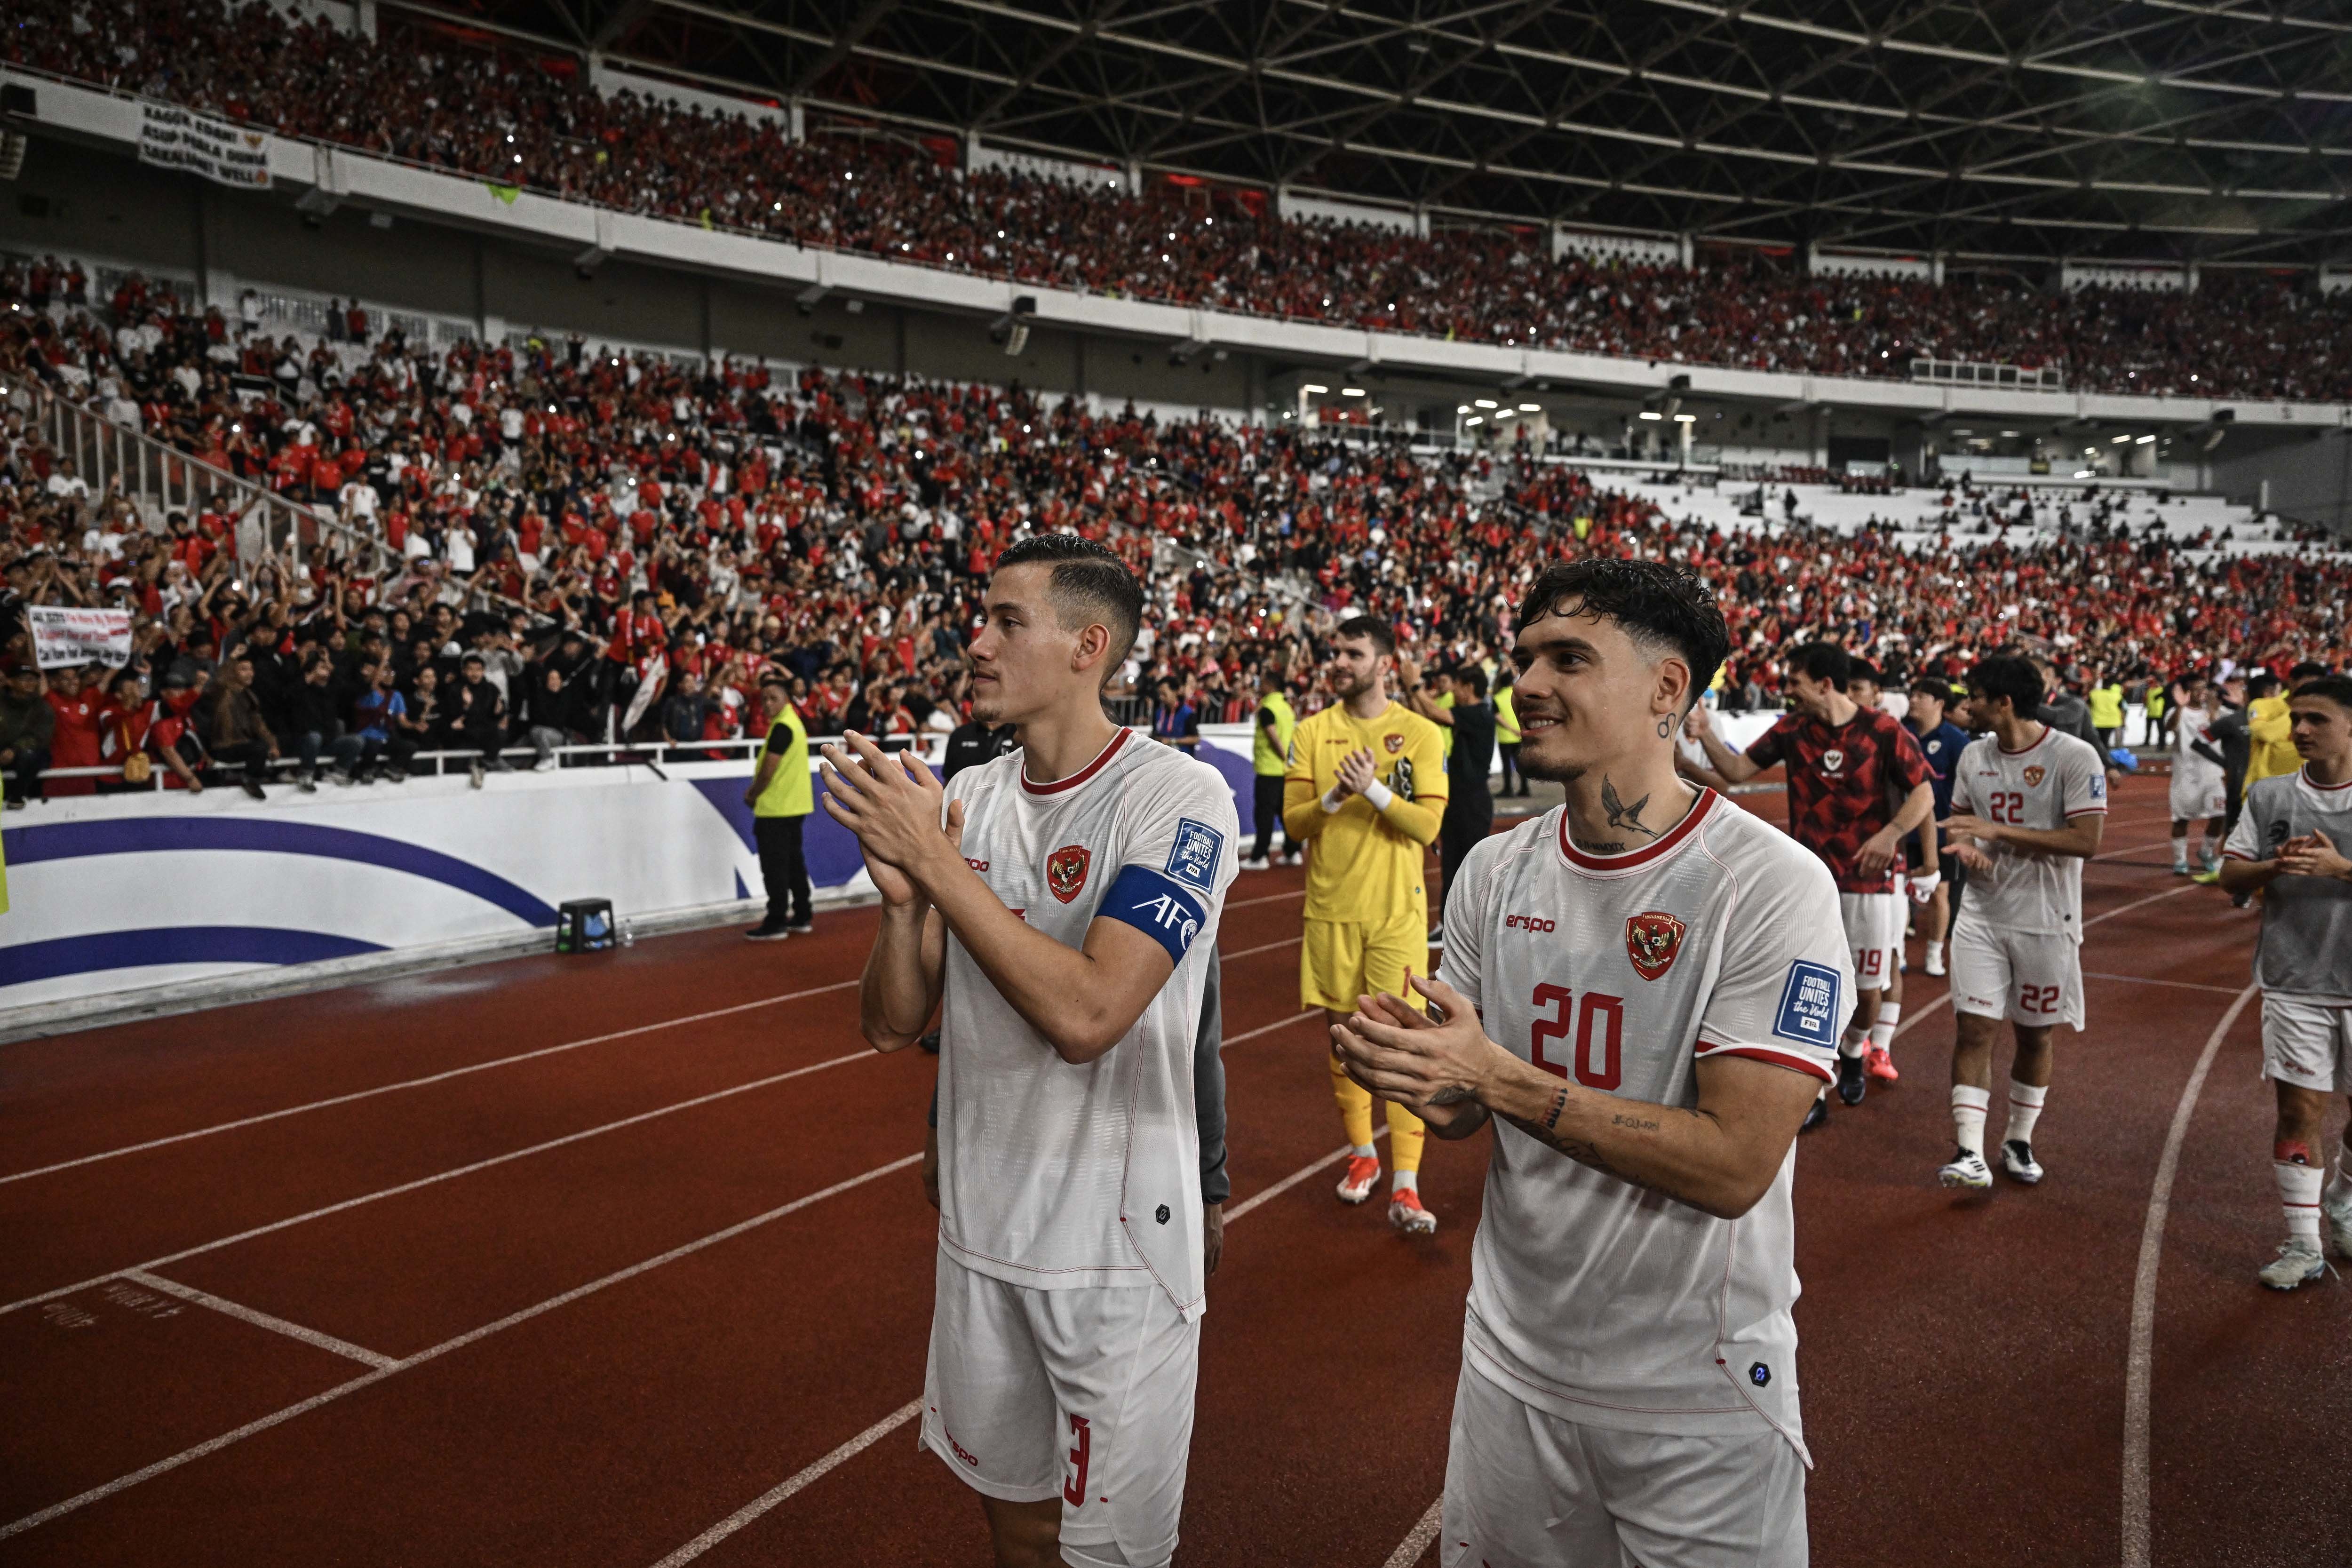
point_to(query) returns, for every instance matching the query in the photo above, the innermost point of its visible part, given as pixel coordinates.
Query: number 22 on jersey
(1597, 1023)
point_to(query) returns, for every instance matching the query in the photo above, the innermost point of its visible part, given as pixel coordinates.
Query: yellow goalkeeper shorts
(1339, 961)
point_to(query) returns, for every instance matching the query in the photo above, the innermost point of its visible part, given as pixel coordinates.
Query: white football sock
(1969, 1104)
(2180, 852)
(2298, 1188)
(1406, 1182)
(2339, 1190)
(1853, 1044)
(1881, 1033)
(1363, 1152)
(2024, 1111)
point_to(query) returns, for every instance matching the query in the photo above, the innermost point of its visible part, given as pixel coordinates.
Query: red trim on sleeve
(1119, 738)
(1767, 1053)
(2237, 855)
(2087, 811)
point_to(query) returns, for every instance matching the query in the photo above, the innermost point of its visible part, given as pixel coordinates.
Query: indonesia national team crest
(2033, 775)
(1065, 871)
(1652, 939)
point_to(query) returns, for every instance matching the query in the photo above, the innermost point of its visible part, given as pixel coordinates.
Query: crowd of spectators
(515, 118)
(582, 549)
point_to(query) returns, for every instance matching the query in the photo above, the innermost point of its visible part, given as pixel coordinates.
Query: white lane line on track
(500, 1062)
(1231, 1040)
(2176, 984)
(1416, 1543)
(2139, 1363)
(700, 1099)
(801, 1480)
(1267, 898)
(366, 1198)
(243, 1313)
(472, 1336)
(421, 1082)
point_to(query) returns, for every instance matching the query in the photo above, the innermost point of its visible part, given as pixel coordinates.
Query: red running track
(623, 1260)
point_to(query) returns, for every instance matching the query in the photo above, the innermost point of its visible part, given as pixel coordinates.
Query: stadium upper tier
(538, 139)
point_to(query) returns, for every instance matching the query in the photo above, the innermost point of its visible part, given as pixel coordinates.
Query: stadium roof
(2171, 130)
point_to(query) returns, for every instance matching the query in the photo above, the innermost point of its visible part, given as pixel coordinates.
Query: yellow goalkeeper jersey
(1362, 869)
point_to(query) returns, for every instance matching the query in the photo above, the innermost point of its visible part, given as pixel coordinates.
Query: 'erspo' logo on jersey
(1065, 871)
(1652, 939)
(1169, 913)
(975, 864)
(1525, 922)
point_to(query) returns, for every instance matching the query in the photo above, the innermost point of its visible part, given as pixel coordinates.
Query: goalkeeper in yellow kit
(1365, 789)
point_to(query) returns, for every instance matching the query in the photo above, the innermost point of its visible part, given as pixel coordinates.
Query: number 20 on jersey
(1581, 1039)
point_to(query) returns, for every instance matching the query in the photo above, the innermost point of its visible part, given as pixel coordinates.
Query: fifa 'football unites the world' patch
(1809, 1003)
(1193, 858)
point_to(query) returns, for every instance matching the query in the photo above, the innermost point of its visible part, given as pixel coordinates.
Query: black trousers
(1265, 806)
(784, 869)
(1466, 823)
(1509, 752)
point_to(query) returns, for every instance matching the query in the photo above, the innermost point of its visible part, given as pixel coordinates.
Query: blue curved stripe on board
(62, 955)
(149, 834)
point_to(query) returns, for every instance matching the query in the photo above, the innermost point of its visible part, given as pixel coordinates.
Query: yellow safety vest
(1269, 758)
(1506, 717)
(788, 793)
(2107, 707)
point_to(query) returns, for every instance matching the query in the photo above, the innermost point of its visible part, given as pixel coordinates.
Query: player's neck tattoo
(1620, 814)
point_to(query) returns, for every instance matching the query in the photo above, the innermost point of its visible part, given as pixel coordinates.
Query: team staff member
(1269, 751)
(1469, 724)
(1366, 786)
(975, 741)
(2289, 845)
(1641, 1002)
(781, 800)
(1941, 741)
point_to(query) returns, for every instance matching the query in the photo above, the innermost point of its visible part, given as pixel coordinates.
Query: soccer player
(1941, 741)
(1845, 763)
(2197, 781)
(2028, 808)
(2289, 844)
(1640, 990)
(1059, 905)
(1366, 787)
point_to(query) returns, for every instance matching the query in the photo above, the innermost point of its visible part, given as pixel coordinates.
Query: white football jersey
(2046, 786)
(2194, 776)
(1591, 1298)
(1053, 1176)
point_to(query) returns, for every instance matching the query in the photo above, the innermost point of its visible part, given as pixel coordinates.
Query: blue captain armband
(1157, 905)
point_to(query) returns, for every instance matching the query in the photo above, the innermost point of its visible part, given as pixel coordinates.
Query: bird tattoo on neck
(1620, 814)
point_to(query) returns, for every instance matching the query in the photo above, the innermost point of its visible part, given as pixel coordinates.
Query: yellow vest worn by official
(788, 793)
(1506, 717)
(1270, 757)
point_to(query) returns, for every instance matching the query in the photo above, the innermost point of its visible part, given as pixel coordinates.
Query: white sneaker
(1253, 864)
(1965, 1168)
(1933, 966)
(544, 765)
(2018, 1160)
(2338, 1220)
(2296, 1264)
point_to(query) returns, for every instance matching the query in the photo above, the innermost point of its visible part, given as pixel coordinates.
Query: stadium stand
(530, 124)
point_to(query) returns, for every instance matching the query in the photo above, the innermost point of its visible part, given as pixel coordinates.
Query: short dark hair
(1822, 661)
(1655, 602)
(1089, 580)
(2260, 684)
(1378, 632)
(1929, 685)
(2309, 670)
(1472, 676)
(2336, 688)
(2015, 678)
(1862, 669)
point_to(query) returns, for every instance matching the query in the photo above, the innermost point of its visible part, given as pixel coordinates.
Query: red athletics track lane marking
(2140, 1362)
(471, 1167)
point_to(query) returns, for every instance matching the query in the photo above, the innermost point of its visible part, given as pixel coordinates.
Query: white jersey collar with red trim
(1632, 859)
(1059, 787)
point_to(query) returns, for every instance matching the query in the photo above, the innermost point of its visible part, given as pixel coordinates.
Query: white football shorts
(1532, 1489)
(1873, 932)
(1084, 1394)
(2307, 1043)
(2191, 800)
(2032, 978)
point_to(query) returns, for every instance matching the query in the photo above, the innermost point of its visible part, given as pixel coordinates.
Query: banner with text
(64, 636)
(228, 154)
